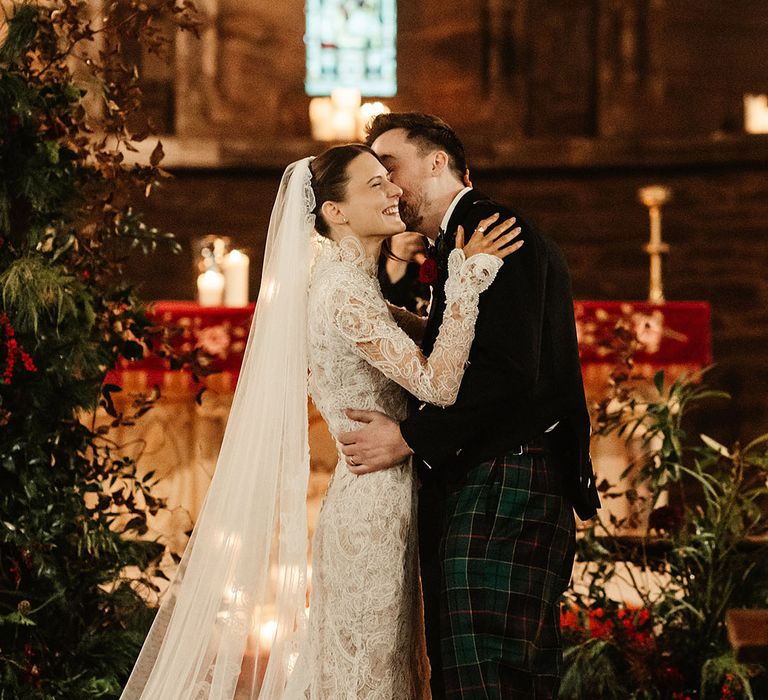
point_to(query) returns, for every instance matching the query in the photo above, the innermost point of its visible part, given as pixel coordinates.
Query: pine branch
(22, 27)
(31, 289)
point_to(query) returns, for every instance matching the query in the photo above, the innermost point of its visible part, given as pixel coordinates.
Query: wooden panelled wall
(566, 107)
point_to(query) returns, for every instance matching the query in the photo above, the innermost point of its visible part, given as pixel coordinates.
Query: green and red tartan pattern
(507, 558)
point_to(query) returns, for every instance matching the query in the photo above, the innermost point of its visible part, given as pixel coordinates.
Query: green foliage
(593, 671)
(22, 29)
(689, 560)
(72, 506)
(31, 287)
(722, 671)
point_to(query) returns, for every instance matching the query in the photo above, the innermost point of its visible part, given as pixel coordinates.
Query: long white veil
(240, 589)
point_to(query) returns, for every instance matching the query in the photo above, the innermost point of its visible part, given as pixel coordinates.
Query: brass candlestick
(653, 197)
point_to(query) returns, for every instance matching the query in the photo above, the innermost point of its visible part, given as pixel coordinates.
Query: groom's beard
(410, 213)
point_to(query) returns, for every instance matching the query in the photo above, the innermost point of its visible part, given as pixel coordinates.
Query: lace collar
(349, 249)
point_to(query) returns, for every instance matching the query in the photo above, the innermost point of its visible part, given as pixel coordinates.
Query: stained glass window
(351, 43)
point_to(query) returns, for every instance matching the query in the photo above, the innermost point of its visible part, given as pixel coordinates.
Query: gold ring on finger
(481, 229)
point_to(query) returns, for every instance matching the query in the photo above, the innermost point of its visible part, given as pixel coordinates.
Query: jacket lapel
(445, 245)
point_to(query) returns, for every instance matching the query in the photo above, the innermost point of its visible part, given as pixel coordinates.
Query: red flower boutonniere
(428, 271)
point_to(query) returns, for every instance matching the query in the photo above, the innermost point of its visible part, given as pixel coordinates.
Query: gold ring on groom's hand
(352, 462)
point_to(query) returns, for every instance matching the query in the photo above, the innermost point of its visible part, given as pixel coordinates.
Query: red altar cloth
(676, 336)
(674, 333)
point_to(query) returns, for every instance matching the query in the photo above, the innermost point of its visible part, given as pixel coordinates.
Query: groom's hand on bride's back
(377, 445)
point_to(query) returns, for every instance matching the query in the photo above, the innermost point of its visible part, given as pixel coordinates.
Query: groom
(502, 469)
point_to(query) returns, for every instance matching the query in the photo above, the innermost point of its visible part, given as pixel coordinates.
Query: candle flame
(267, 633)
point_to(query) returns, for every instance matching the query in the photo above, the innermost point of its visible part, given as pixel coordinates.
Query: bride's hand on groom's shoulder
(491, 238)
(377, 445)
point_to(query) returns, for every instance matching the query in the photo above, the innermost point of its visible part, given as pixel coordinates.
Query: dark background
(566, 108)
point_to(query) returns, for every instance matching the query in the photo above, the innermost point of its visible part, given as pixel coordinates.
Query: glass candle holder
(210, 253)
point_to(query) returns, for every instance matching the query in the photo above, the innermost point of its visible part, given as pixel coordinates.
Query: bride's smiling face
(371, 203)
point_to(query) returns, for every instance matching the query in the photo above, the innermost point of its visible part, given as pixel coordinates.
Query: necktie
(441, 246)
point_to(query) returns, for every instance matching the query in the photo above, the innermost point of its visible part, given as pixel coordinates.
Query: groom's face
(408, 169)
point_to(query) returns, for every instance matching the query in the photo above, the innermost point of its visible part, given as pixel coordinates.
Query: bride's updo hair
(330, 178)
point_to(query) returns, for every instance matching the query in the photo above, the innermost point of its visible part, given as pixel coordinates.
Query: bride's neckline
(350, 250)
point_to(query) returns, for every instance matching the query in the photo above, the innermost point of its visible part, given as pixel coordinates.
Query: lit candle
(346, 106)
(267, 634)
(236, 279)
(344, 125)
(756, 114)
(368, 111)
(210, 288)
(321, 118)
(346, 99)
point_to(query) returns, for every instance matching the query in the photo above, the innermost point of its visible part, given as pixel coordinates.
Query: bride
(234, 624)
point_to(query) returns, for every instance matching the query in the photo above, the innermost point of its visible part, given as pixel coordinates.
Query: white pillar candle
(344, 125)
(346, 106)
(756, 114)
(346, 98)
(210, 288)
(321, 118)
(236, 279)
(368, 111)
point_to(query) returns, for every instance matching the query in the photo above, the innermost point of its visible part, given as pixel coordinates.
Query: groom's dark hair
(427, 131)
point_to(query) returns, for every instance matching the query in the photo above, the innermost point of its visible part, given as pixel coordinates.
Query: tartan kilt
(506, 556)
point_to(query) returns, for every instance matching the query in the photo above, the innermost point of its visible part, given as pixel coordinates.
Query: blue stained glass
(351, 43)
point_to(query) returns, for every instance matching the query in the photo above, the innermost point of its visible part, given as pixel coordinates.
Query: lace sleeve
(361, 316)
(413, 324)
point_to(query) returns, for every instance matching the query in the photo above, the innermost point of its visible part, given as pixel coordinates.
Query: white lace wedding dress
(366, 637)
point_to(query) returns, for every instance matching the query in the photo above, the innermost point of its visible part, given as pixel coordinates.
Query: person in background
(401, 274)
